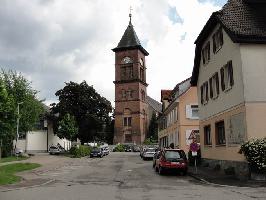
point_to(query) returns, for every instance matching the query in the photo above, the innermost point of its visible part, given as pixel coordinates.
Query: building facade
(229, 71)
(131, 109)
(179, 122)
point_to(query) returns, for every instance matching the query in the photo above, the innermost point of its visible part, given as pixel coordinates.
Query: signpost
(194, 147)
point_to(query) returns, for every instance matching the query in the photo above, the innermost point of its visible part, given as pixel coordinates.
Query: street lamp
(18, 124)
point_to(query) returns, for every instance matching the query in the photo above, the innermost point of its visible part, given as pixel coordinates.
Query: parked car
(128, 148)
(172, 160)
(106, 151)
(56, 149)
(148, 153)
(142, 149)
(156, 158)
(136, 148)
(96, 152)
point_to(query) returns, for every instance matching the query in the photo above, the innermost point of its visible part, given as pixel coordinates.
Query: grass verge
(12, 158)
(7, 172)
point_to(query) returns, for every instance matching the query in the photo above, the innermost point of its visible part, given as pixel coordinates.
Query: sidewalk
(211, 176)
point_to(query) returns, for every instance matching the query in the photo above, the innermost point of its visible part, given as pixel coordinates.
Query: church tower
(130, 89)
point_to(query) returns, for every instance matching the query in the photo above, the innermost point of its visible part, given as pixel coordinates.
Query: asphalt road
(122, 176)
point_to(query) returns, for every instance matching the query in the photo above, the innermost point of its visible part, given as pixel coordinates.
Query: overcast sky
(55, 41)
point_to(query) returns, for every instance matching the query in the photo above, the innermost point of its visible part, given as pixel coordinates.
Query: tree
(153, 128)
(21, 90)
(67, 128)
(7, 122)
(14, 89)
(90, 109)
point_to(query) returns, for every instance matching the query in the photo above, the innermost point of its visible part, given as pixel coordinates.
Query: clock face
(127, 60)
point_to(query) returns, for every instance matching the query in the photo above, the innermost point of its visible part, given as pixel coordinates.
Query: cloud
(52, 42)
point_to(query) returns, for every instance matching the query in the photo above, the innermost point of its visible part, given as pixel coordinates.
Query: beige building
(179, 122)
(229, 72)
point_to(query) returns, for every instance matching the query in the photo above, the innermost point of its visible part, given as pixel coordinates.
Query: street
(118, 176)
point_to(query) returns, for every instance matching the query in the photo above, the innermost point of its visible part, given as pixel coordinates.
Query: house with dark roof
(229, 72)
(179, 118)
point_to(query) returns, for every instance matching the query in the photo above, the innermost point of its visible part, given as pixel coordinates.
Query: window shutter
(211, 91)
(217, 83)
(188, 111)
(221, 36)
(207, 91)
(222, 78)
(201, 94)
(230, 69)
(214, 44)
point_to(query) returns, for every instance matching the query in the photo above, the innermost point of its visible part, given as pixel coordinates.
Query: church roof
(130, 40)
(154, 104)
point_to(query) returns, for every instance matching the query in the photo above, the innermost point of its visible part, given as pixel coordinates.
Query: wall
(234, 96)
(254, 71)
(188, 98)
(221, 152)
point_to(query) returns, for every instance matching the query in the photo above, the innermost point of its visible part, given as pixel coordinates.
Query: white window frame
(189, 110)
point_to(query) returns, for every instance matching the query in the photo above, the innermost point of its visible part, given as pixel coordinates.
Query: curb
(219, 185)
(32, 186)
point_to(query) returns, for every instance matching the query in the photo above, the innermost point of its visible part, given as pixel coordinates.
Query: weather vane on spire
(130, 15)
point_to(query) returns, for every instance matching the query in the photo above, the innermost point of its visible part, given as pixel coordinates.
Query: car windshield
(150, 150)
(96, 150)
(52, 147)
(173, 155)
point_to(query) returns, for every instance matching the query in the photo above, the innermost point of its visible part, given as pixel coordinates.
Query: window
(129, 94)
(220, 133)
(227, 78)
(141, 75)
(127, 72)
(124, 95)
(206, 53)
(207, 135)
(194, 111)
(214, 86)
(204, 93)
(127, 121)
(143, 95)
(218, 40)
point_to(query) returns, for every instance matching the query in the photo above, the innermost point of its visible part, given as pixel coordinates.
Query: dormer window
(218, 40)
(206, 53)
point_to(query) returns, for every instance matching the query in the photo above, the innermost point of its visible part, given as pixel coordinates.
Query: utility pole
(17, 125)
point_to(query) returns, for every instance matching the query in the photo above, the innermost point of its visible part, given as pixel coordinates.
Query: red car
(172, 160)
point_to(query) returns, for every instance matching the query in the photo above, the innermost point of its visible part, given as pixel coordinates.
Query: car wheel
(160, 170)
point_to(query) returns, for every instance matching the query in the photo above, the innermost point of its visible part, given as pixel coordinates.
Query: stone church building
(131, 104)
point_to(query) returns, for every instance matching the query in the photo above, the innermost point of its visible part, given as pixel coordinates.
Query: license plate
(175, 163)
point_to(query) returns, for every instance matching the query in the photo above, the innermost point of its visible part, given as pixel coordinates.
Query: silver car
(148, 153)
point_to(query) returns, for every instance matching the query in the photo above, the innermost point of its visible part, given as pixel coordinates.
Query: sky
(56, 41)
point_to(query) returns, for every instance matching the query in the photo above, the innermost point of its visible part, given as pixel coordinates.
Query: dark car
(172, 160)
(128, 148)
(96, 152)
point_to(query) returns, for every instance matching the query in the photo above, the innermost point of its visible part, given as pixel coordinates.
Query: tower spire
(130, 15)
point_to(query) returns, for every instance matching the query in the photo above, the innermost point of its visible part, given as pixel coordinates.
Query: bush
(149, 141)
(119, 148)
(80, 151)
(255, 150)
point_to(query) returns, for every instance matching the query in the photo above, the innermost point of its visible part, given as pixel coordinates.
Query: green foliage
(119, 148)
(67, 128)
(12, 158)
(153, 128)
(80, 151)
(255, 150)
(7, 172)
(14, 88)
(149, 141)
(90, 109)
